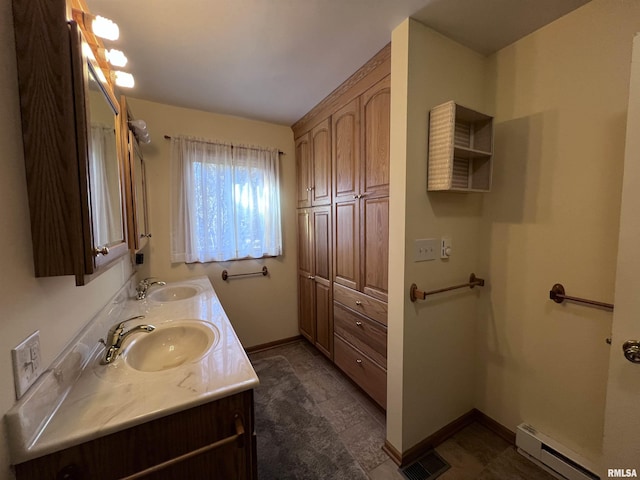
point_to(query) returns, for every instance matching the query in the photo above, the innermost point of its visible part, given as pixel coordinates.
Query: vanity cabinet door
(71, 234)
(163, 443)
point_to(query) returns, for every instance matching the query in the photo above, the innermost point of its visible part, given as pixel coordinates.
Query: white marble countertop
(109, 398)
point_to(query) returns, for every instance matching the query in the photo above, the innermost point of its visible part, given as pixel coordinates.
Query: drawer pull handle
(358, 302)
(359, 362)
(358, 324)
(239, 436)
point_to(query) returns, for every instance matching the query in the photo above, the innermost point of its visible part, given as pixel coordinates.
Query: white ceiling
(274, 60)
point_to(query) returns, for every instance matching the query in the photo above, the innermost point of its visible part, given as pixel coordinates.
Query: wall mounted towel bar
(415, 294)
(557, 295)
(263, 272)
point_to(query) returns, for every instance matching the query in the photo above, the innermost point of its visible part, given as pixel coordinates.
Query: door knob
(631, 349)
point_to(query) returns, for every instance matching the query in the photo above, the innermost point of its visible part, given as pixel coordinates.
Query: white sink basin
(170, 345)
(171, 293)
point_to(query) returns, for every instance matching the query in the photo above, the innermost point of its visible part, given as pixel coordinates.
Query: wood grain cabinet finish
(303, 171)
(53, 84)
(315, 295)
(370, 376)
(376, 131)
(353, 298)
(321, 163)
(147, 446)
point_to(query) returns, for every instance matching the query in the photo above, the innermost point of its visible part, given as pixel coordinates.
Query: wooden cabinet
(345, 314)
(376, 131)
(361, 227)
(78, 221)
(313, 166)
(303, 171)
(321, 164)
(211, 441)
(135, 191)
(460, 149)
(346, 151)
(315, 294)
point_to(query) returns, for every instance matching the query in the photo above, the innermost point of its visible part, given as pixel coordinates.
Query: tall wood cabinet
(355, 135)
(314, 277)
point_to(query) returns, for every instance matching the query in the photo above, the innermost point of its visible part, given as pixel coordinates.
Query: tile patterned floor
(473, 453)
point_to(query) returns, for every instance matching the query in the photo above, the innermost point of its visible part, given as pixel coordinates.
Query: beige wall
(431, 343)
(55, 306)
(261, 309)
(560, 103)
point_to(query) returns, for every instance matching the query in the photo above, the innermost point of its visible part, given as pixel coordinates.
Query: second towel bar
(557, 295)
(415, 294)
(226, 275)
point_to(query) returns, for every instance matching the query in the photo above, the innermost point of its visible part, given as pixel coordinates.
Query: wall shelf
(460, 149)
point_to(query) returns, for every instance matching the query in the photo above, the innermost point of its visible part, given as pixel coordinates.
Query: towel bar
(415, 294)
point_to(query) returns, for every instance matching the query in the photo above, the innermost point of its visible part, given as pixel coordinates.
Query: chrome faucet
(143, 286)
(117, 335)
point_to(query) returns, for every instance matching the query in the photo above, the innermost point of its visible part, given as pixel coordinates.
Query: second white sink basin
(171, 293)
(170, 345)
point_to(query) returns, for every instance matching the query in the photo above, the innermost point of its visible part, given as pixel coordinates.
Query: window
(225, 201)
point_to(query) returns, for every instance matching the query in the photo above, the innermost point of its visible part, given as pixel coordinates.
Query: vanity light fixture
(104, 28)
(124, 79)
(115, 57)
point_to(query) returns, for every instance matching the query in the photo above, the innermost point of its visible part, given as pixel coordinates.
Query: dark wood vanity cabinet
(215, 441)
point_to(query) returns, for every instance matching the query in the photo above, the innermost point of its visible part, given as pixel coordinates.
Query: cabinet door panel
(375, 244)
(346, 151)
(323, 311)
(346, 244)
(303, 171)
(306, 322)
(304, 242)
(376, 104)
(322, 243)
(321, 164)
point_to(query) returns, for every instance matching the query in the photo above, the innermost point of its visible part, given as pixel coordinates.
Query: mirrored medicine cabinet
(73, 146)
(136, 184)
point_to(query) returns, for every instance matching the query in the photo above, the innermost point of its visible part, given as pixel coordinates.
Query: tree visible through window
(225, 201)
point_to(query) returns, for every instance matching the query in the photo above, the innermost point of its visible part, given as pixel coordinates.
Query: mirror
(140, 193)
(105, 194)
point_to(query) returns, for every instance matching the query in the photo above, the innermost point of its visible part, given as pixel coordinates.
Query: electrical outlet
(425, 249)
(27, 364)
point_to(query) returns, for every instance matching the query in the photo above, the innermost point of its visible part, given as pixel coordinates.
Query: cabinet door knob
(358, 302)
(358, 361)
(100, 251)
(355, 197)
(358, 324)
(311, 277)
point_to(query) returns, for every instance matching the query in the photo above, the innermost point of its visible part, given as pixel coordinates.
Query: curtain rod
(168, 137)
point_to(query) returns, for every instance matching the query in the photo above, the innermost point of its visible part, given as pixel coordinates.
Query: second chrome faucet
(143, 286)
(117, 336)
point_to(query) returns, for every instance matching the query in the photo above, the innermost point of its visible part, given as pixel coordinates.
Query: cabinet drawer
(361, 303)
(366, 335)
(370, 376)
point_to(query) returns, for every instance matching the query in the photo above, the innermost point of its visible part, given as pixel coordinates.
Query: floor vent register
(428, 467)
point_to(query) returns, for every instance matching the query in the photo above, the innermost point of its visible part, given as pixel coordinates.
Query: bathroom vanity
(176, 403)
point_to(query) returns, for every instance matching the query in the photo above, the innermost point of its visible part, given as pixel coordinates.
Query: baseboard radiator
(552, 456)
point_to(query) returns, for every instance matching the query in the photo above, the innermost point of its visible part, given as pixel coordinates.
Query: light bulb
(105, 28)
(115, 57)
(124, 79)
(138, 124)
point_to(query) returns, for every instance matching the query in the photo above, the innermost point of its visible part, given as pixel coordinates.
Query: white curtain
(225, 201)
(104, 185)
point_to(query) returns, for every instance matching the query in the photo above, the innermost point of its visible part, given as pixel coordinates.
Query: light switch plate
(425, 249)
(27, 365)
